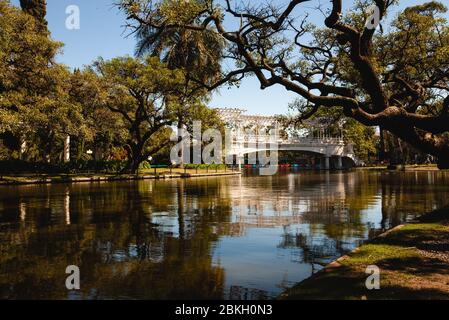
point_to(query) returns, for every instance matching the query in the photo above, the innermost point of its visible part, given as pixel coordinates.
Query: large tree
(140, 92)
(394, 76)
(34, 104)
(104, 130)
(197, 52)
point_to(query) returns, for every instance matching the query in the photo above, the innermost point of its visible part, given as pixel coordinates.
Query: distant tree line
(124, 109)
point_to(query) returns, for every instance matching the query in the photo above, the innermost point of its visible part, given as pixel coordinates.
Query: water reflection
(245, 237)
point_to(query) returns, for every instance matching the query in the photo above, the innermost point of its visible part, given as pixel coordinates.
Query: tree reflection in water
(234, 238)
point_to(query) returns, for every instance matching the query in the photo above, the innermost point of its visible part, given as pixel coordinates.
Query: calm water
(247, 237)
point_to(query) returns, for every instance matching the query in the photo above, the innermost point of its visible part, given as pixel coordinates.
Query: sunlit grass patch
(407, 272)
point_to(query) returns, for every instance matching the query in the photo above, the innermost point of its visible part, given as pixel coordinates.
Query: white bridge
(250, 135)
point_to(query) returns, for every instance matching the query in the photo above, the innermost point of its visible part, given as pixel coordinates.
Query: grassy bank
(430, 167)
(159, 173)
(413, 259)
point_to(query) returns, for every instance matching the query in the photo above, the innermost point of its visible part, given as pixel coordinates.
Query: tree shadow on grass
(345, 284)
(425, 239)
(414, 266)
(411, 276)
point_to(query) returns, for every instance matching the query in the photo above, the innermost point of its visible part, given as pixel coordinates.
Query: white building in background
(255, 133)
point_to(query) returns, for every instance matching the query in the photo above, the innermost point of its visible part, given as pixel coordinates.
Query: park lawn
(182, 171)
(144, 173)
(420, 167)
(413, 261)
(56, 177)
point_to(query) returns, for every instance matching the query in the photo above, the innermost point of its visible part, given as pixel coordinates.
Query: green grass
(374, 254)
(22, 178)
(406, 271)
(410, 167)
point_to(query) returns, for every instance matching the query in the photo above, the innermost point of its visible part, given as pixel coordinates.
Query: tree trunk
(401, 159)
(435, 146)
(23, 148)
(180, 137)
(382, 151)
(132, 166)
(66, 152)
(98, 154)
(134, 159)
(80, 151)
(443, 163)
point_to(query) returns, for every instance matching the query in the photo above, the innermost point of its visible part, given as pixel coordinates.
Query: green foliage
(198, 53)
(104, 130)
(145, 166)
(36, 8)
(33, 90)
(394, 76)
(205, 166)
(418, 47)
(142, 92)
(363, 139)
(122, 108)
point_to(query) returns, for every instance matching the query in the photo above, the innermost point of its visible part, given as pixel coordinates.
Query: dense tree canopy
(33, 91)
(197, 53)
(36, 8)
(394, 76)
(104, 132)
(123, 108)
(140, 91)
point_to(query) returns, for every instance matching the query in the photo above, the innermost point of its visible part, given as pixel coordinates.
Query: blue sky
(102, 34)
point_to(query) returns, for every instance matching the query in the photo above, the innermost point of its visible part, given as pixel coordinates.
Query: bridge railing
(306, 140)
(299, 140)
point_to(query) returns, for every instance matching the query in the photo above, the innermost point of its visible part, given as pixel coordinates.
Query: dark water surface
(247, 237)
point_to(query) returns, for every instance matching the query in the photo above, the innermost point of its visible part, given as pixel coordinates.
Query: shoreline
(401, 253)
(59, 179)
(36, 179)
(406, 168)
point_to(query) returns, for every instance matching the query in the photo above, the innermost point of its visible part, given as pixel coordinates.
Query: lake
(241, 237)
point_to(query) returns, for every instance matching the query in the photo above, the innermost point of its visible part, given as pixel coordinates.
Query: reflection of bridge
(250, 135)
